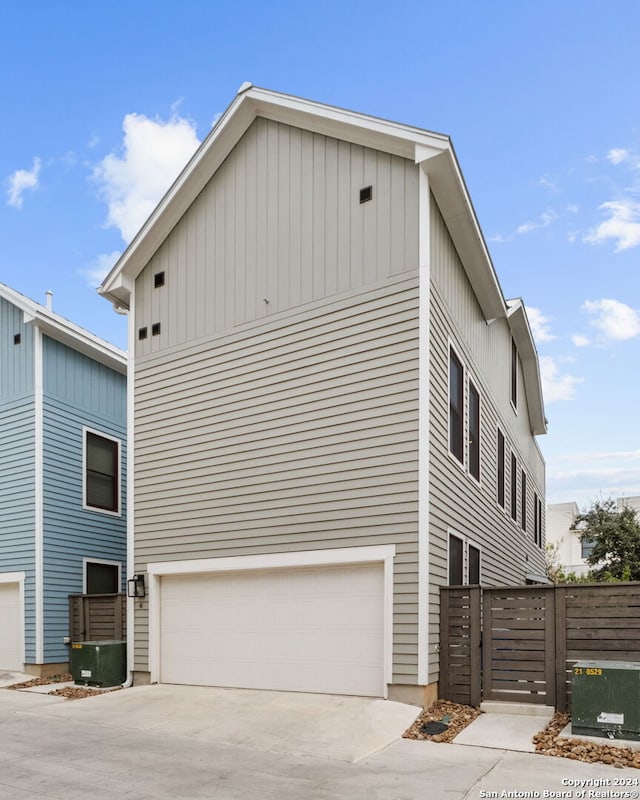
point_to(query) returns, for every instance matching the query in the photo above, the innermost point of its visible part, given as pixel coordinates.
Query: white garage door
(308, 630)
(10, 627)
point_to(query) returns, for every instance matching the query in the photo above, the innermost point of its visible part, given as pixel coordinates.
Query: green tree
(615, 534)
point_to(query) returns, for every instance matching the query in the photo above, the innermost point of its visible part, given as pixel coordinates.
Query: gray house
(62, 480)
(334, 407)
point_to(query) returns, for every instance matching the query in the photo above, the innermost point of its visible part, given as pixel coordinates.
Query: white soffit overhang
(523, 338)
(432, 150)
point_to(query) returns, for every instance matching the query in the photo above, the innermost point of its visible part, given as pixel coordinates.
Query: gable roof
(66, 332)
(432, 151)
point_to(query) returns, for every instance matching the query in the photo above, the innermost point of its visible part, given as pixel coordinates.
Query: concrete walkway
(506, 726)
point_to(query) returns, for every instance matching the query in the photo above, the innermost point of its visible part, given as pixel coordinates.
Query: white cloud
(154, 153)
(23, 180)
(580, 340)
(614, 319)
(545, 220)
(555, 386)
(99, 268)
(617, 155)
(623, 225)
(539, 325)
(547, 183)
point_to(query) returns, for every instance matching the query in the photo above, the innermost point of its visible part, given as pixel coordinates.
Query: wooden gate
(518, 655)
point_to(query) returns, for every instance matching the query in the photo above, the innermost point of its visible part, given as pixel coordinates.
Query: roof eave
(523, 338)
(66, 332)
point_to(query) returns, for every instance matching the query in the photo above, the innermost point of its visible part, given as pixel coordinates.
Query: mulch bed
(547, 742)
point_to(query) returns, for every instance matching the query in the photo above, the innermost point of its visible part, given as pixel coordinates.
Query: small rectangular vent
(366, 194)
(16, 338)
(142, 333)
(158, 280)
(155, 329)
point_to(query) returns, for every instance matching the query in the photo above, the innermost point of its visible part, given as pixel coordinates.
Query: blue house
(62, 478)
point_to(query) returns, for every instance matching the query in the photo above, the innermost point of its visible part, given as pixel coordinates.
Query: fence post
(475, 655)
(561, 647)
(445, 595)
(550, 634)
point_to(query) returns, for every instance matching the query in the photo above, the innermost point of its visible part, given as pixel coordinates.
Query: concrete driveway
(322, 726)
(188, 743)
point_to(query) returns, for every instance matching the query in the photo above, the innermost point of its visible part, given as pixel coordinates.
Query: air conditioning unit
(606, 699)
(98, 663)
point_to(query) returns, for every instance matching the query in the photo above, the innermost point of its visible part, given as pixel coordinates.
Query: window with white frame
(101, 472)
(500, 468)
(101, 577)
(514, 487)
(464, 561)
(523, 500)
(456, 407)
(474, 431)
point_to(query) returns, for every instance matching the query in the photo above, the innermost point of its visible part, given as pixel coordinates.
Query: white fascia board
(350, 126)
(66, 332)
(117, 286)
(519, 325)
(82, 341)
(450, 191)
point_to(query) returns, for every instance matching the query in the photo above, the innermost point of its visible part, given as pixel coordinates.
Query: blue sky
(103, 102)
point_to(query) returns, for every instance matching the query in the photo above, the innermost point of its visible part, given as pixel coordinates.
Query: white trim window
(464, 560)
(456, 406)
(100, 576)
(100, 472)
(474, 431)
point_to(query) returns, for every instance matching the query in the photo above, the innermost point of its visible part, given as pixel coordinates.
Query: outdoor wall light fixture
(135, 586)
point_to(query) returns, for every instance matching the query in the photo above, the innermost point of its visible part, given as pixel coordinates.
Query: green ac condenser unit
(99, 663)
(606, 699)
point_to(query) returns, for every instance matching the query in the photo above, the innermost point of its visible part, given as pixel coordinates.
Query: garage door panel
(313, 629)
(10, 627)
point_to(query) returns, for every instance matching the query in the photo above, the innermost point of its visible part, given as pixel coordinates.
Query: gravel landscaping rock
(547, 742)
(70, 692)
(455, 716)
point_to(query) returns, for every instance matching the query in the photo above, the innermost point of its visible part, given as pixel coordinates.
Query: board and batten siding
(458, 503)
(16, 360)
(78, 392)
(291, 434)
(279, 225)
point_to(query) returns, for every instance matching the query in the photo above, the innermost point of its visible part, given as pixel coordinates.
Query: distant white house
(562, 530)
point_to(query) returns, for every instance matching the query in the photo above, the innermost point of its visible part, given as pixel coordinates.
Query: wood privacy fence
(520, 643)
(97, 617)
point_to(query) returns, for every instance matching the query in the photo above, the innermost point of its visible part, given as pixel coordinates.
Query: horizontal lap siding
(17, 501)
(297, 435)
(457, 502)
(77, 392)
